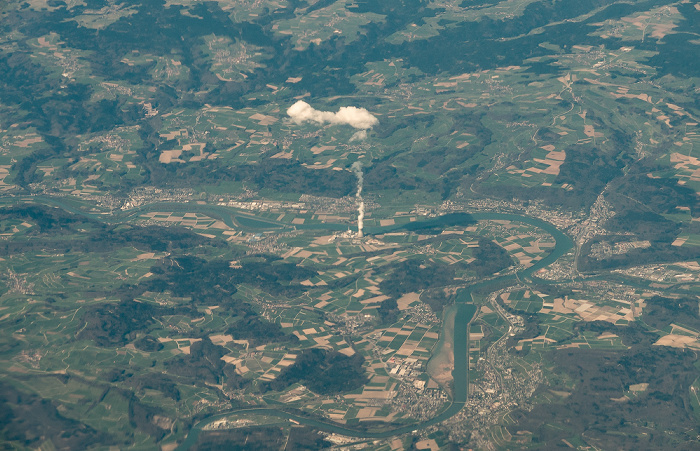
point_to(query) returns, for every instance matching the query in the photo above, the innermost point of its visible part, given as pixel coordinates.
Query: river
(464, 315)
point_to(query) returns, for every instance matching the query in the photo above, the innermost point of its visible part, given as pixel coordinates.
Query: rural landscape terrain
(331, 224)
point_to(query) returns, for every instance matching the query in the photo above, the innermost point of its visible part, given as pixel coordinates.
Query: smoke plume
(359, 135)
(357, 169)
(358, 118)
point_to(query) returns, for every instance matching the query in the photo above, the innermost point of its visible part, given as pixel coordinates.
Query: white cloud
(358, 118)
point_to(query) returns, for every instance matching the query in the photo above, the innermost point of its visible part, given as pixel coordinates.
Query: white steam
(358, 118)
(357, 169)
(359, 135)
(360, 218)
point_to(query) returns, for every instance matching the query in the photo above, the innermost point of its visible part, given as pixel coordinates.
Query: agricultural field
(350, 308)
(311, 223)
(529, 146)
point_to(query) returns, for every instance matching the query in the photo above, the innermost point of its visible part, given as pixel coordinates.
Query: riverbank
(454, 336)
